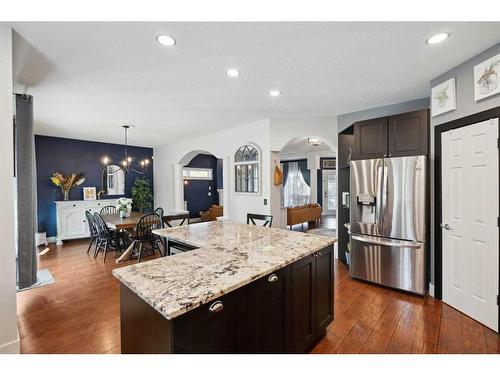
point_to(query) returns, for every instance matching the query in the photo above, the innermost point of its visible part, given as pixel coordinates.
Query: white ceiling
(89, 78)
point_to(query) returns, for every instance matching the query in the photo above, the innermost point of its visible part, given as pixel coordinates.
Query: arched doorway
(310, 184)
(200, 179)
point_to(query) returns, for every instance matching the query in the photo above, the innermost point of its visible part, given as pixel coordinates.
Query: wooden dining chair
(159, 211)
(144, 234)
(267, 219)
(107, 239)
(94, 234)
(109, 210)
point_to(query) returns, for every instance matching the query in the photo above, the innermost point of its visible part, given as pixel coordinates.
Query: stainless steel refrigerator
(388, 222)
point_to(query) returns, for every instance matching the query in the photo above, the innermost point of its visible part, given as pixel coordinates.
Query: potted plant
(124, 207)
(66, 183)
(142, 194)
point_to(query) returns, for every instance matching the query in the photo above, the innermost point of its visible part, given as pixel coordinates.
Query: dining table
(114, 221)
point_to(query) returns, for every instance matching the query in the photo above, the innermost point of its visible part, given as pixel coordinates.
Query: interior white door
(329, 186)
(470, 215)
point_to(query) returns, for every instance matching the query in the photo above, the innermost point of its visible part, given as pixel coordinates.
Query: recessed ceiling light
(232, 72)
(437, 38)
(275, 93)
(166, 40)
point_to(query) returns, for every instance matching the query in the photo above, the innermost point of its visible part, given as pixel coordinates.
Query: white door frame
(442, 217)
(324, 188)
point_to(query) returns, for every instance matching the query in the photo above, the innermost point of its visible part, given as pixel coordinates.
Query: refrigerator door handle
(413, 245)
(380, 198)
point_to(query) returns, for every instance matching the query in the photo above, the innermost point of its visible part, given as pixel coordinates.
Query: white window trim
(187, 177)
(251, 162)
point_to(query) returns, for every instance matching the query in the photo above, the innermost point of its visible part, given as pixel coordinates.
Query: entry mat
(44, 277)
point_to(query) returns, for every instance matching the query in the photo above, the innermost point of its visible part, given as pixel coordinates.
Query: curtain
(296, 191)
(285, 172)
(305, 172)
(26, 192)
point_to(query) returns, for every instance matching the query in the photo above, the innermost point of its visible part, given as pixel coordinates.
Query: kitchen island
(236, 288)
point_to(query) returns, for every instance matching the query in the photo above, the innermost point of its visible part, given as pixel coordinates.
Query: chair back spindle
(146, 225)
(109, 210)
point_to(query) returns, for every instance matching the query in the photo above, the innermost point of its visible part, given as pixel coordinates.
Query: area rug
(44, 277)
(323, 232)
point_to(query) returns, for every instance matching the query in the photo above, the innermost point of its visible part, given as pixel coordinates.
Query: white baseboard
(13, 347)
(431, 289)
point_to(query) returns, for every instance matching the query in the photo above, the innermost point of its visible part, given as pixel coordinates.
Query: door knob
(446, 226)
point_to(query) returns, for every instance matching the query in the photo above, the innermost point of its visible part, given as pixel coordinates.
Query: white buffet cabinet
(71, 219)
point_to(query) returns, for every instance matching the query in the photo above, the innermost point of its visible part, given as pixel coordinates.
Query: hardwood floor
(372, 319)
(79, 313)
(326, 222)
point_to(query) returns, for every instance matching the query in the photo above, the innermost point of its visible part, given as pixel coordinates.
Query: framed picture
(486, 78)
(443, 98)
(89, 193)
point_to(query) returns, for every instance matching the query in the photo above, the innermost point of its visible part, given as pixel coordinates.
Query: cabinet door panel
(73, 222)
(303, 304)
(370, 139)
(408, 134)
(204, 331)
(324, 289)
(268, 313)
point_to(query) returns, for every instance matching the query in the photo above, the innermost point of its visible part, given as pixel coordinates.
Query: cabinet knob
(216, 307)
(273, 278)
(390, 154)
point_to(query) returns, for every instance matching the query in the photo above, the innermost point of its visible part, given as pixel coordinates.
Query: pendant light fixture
(127, 160)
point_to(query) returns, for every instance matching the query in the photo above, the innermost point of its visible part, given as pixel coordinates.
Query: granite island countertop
(228, 256)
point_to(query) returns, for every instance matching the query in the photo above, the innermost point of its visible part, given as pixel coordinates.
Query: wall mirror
(115, 180)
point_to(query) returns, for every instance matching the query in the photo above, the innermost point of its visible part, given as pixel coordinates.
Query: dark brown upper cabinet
(370, 139)
(408, 134)
(405, 134)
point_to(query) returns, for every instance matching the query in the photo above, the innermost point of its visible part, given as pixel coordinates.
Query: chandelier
(127, 160)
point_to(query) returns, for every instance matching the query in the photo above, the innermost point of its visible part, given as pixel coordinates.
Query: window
(296, 190)
(197, 173)
(246, 170)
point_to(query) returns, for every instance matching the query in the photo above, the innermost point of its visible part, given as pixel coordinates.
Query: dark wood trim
(438, 249)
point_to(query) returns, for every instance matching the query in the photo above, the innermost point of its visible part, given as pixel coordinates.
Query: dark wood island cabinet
(286, 310)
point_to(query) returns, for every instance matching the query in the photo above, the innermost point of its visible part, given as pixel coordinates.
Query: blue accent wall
(196, 191)
(68, 156)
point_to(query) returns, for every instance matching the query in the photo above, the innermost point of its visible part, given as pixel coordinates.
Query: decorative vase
(66, 195)
(124, 214)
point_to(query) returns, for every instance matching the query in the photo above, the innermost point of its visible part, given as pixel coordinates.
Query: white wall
(270, 135)
(9, 337)
(223, 145)
(285, 129)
